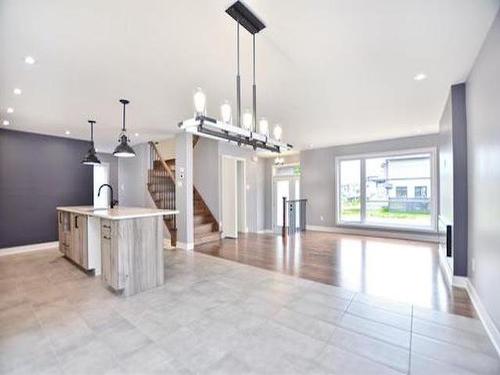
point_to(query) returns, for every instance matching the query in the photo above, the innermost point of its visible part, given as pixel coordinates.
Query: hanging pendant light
(241, 128)
(91, 157)
(123, 150)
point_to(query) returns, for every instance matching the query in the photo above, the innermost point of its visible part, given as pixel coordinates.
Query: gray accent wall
(318, 172)
(37, 174)
(453, 173)
(483, 127)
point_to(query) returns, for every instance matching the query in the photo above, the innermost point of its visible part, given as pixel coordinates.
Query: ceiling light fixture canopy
(244, 131)
(123, 150)
(91, 157)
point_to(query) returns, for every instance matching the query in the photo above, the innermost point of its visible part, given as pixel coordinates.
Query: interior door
(229, 198)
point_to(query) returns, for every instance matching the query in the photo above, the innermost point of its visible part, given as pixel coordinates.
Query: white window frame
(362, 223)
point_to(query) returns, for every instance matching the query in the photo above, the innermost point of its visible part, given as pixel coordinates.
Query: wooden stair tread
(209, 237)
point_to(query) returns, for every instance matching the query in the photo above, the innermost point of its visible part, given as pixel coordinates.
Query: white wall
(132, 178)
(166, 148)
(483, 132)
(206, 167)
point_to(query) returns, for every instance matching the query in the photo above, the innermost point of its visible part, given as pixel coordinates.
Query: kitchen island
(123, 244)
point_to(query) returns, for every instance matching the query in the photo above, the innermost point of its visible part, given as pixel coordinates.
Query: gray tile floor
(221, 317)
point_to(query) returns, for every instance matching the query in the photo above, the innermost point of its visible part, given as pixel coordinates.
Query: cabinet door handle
(106, 237)
(76, 222)
(60, 217)
(106, 226)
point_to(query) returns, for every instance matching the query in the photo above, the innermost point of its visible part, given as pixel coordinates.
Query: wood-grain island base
(123, 244)
(132, 254)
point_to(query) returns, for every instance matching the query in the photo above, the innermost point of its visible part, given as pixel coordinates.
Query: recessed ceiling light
(17, 91)
(67, 132)
(29, 60)
(136, 134)
(420, 77)
(10, 110)
(5, 122)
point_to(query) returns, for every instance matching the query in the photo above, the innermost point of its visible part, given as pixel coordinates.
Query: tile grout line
(411, 339)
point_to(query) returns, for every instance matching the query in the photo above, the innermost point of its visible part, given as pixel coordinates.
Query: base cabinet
(126, 252)
(110, 257)
(73, 238)
(132, 254)
(64, 225)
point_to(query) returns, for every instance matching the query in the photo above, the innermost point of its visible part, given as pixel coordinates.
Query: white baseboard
(262, 231)
(28, 248)
(459, 282)
(167, 243)
(376, 233)
(445, 267)
(185, 246)
(488, 323)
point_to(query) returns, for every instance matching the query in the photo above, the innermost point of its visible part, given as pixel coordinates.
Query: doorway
(233, 196)
(284, 187)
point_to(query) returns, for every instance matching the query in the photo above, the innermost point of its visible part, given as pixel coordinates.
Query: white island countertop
(117, 213)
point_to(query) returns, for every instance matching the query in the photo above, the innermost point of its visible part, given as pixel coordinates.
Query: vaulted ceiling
(329, 71)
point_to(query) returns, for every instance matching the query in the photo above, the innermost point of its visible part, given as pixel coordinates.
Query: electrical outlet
(473, 265)
(321, 218)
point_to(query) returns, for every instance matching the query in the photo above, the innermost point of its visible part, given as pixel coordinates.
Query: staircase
(161, 185)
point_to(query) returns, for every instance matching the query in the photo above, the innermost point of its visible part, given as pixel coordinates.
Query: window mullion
(363, 189)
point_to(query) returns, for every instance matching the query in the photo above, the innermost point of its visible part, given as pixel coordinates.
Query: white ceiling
(330, 71)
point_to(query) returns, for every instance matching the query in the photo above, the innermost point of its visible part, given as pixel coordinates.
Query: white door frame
(244, 198)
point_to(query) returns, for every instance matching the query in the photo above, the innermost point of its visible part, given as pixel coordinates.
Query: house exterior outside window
(389, 190)
(401, 192)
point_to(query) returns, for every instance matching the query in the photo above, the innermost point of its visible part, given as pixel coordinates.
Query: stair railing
(161, 176)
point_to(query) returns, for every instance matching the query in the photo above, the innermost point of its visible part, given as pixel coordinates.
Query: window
(420, 191)
(350, 189)
(390, 190)
(401, 191)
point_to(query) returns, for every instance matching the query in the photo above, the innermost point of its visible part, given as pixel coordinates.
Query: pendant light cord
(238, 79)
(254, 90)
(123, 129)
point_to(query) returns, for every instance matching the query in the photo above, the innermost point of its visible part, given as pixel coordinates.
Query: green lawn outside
(353, 211)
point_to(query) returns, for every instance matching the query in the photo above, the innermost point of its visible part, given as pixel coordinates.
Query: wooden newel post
(283, 228)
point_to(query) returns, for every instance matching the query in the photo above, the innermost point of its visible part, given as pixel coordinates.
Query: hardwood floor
(406, 271)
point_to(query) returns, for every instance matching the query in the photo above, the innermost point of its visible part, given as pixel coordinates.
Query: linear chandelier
(244, 131)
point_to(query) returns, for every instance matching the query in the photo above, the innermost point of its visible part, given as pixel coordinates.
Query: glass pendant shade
(264, 127)
(200, 101)
(277, 132)
(247, 120)
(225, 112)
(123, 150)
(91, 157)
